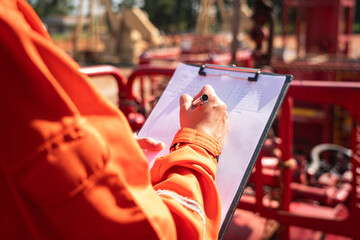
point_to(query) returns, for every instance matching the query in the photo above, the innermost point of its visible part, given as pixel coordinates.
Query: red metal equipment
(103, 70)
(341, 219)
(318, 122)
(128, 107)
(145, 70)
(150, 74)
(322, 26)
(263, 15)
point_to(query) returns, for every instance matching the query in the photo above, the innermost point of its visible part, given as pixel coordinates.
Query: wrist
(191, 136)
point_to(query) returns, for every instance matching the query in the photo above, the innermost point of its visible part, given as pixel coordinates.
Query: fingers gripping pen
(200, 101)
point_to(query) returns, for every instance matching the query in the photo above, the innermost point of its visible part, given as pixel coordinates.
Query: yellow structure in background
(207, 17)
(129, 33)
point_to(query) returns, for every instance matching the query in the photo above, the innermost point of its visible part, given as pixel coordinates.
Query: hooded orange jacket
(70, 167)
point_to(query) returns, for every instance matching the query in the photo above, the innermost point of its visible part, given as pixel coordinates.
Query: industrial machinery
(130, 32)
(206, 46)
(206, 17)
(331, 206)
(322, 53)
(332, 36)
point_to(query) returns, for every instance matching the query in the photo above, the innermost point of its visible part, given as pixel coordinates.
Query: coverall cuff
(192, 136)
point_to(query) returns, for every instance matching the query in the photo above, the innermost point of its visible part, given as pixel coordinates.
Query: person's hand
(150, 144)
(210, 118)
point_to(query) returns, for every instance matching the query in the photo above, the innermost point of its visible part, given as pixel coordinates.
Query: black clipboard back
(230, 70)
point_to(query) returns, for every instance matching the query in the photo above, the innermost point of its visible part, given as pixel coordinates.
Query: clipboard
(232, 71)
(252, 98)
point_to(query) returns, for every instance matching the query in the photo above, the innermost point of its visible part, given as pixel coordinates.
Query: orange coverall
(70, 167)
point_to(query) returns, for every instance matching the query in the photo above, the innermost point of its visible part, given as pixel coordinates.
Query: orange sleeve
(70, 166)
(185, 180)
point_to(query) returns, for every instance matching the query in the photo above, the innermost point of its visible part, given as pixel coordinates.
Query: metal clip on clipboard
(256, 72)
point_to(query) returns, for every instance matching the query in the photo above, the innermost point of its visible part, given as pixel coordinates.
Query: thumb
(150, 144)
(185, 102)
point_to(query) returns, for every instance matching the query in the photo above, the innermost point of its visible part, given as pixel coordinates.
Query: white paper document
(250, 105)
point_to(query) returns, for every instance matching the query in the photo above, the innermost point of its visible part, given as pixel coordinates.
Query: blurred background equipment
(130, 33)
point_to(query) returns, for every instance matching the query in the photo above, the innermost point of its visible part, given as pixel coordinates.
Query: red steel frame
(145, 70)
(346, 94)
(103, 70)
(126, 106)
(324, 19)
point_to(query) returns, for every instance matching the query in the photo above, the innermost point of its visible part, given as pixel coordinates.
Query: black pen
(200, 101)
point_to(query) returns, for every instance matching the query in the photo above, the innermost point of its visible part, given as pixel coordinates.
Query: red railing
(104, 70)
